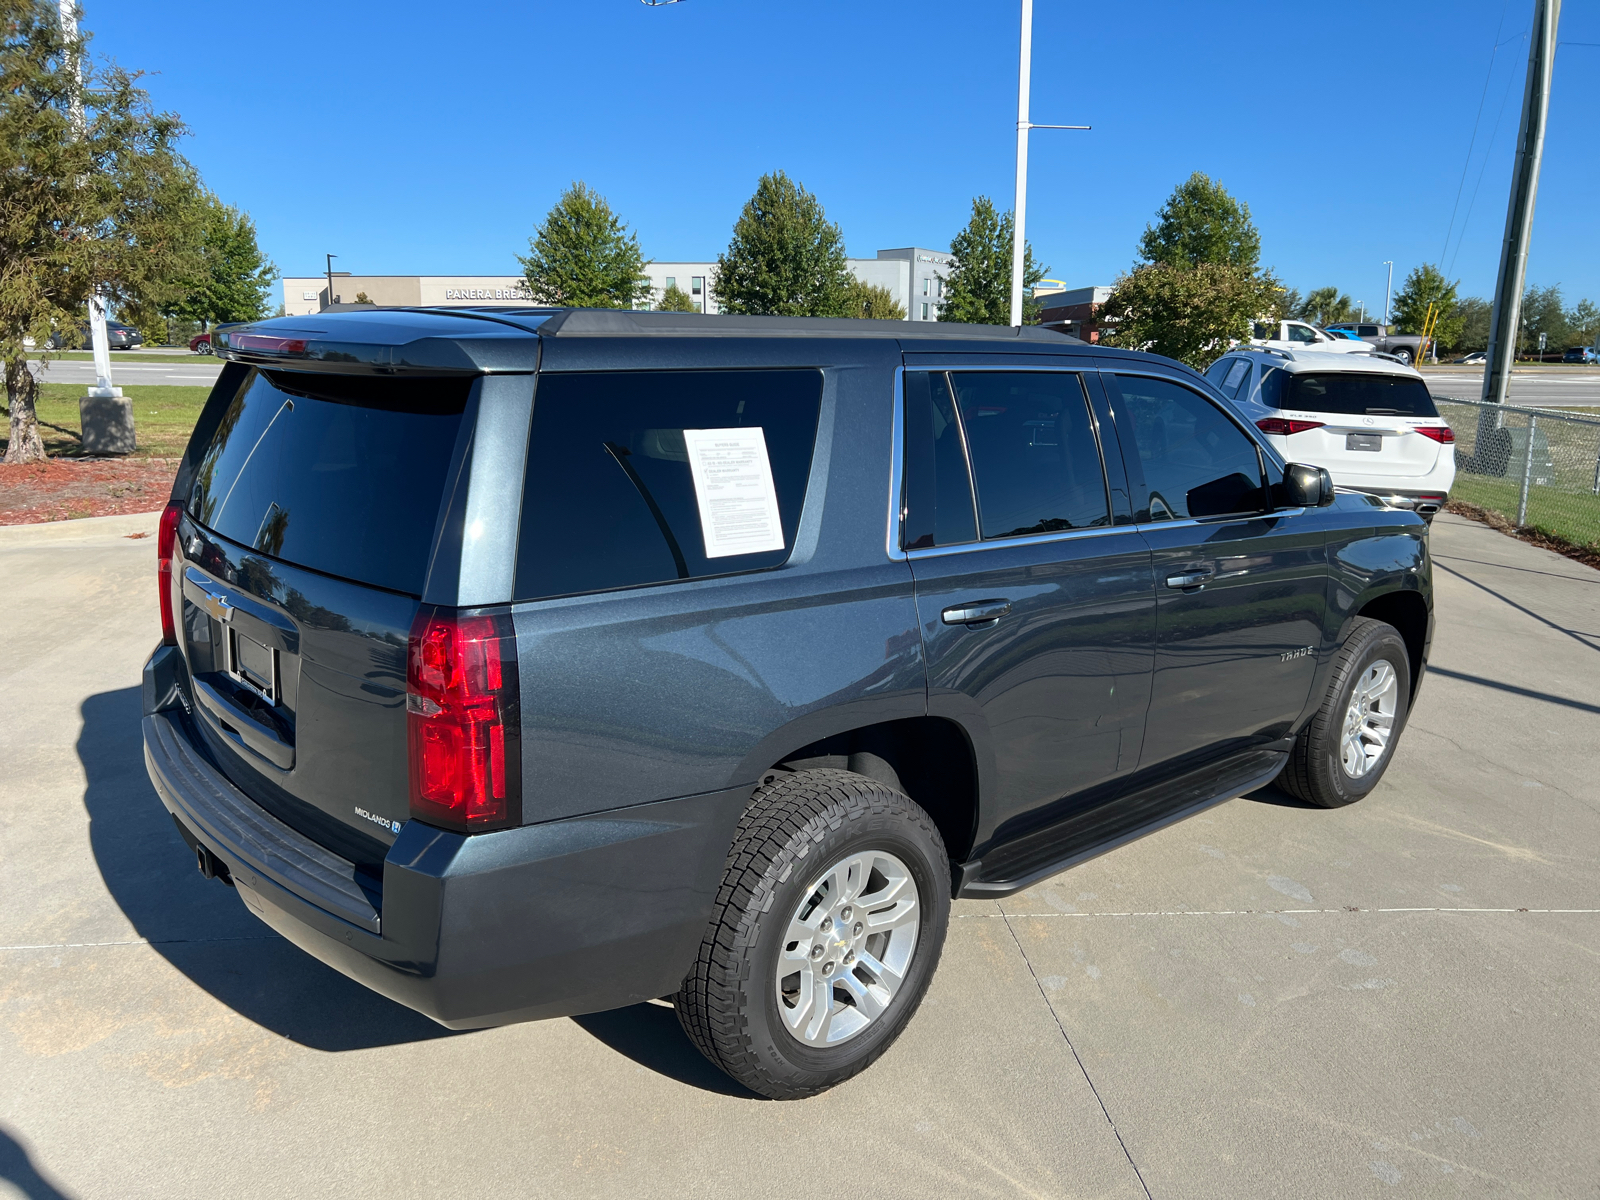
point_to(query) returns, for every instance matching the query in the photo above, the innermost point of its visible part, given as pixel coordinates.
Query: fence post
(1527, 473)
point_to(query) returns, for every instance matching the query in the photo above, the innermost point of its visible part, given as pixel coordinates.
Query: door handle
(1191, 580)
(979, 613)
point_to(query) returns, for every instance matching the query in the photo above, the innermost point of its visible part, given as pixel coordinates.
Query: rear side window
(1195, 461)
(639, 477)
(1236, 376)
(341, 474)
(939, 509)
(1356, 394)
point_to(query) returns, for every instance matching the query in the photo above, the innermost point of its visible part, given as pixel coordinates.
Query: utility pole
(1504, 319)
(330, 258)
(102, 389)
(1388, 290)
(1019, 240)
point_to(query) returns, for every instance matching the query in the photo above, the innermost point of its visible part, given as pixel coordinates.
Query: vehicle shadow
(650, 1035)
(1273, 794)
(17, 1169)
(200, 926)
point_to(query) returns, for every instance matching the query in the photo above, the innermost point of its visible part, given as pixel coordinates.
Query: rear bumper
(1423, 501)
(571, 916)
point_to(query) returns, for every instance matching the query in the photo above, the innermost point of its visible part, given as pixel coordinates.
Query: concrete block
(107, 424)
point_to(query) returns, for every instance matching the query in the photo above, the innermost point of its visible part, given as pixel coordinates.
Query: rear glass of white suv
(1359, 394)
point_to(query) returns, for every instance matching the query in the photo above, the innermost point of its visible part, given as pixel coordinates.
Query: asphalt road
(1399, 998)
(193, 372)
(1551, 388)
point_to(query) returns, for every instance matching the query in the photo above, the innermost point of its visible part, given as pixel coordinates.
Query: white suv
(1299, 335)
(1365, 417)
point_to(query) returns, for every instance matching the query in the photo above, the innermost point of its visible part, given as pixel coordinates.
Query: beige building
(310, 293)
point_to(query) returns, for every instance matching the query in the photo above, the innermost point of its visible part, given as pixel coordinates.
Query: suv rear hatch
(1361, 421)
(314, 504)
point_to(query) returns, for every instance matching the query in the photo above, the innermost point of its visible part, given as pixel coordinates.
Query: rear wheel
(1403, 354)
(1340, 756)
(826, 931)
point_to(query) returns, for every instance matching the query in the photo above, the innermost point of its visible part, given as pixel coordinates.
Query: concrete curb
(84, 529)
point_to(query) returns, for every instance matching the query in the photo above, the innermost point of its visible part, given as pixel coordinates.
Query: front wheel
(1342, 753)
(826, 931)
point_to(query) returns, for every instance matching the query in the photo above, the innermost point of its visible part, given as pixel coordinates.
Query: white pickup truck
(1301, 335)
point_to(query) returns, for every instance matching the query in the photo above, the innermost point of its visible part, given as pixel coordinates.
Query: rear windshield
(641, 477)
(340, 474)
(1350, 394)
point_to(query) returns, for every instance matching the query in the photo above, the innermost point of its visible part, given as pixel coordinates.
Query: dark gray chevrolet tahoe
(529, 663)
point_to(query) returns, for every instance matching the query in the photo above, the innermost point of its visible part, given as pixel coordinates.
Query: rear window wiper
(1387, 412)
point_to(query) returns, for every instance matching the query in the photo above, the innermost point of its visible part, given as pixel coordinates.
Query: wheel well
(927, 758)
(1408, 613)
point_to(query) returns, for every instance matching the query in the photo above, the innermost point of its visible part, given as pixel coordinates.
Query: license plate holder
(253, 665)
(1363, 441)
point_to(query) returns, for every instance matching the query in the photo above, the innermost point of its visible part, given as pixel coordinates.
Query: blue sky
(411, 138)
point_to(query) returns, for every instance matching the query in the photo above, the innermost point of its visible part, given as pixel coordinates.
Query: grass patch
(163, 417)
(126, 356)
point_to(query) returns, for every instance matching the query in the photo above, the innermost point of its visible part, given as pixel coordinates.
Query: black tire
(1404, 355)
(799, 824)
(1315, 772)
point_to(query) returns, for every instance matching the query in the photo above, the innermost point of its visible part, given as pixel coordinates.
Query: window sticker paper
(733, 486)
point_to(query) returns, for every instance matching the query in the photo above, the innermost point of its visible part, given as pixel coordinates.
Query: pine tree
(675, 299)
(583, 255)
(978, 288)
(785, 257)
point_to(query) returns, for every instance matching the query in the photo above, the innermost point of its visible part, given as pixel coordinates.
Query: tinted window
(1196, 462)
(1367, 331)
(611, 500)
(341, 474)
(1302, 333)
(1034, 457)
(1356, 394)
(938, 493)
(1218, 370)
(1239, 373)
(1273, 382)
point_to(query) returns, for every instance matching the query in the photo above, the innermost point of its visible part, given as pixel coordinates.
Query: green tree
(110, 206)
(1323, 306)
(785, 257)
(874, 302)
(1544, 311)
(978, 289)
(234, 278)
(1202, 223)
(1583, 322)
(1289, 304)
(1471, 325)
(583, 256)
(675, 299)
(1426, 286)
(1189, 313)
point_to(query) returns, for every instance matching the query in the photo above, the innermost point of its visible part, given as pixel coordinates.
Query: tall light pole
(330, 259)
(1019, 238)
(1503, 318)
(102, 388)
(1388, 290)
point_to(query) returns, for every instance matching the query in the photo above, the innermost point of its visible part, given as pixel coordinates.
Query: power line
(1466, 165)
(1510, 79)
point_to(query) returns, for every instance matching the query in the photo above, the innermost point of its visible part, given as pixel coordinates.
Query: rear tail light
(1285, 426)
(463, 720)
(166, 539)
(1442, 434)
(262, 343)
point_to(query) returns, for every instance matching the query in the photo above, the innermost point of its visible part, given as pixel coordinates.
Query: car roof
(1297, 362)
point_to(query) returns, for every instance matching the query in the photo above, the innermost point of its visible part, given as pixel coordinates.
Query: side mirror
(1304, 486)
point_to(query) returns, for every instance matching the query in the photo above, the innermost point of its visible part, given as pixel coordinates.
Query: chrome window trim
(897, 465)
(897, 468)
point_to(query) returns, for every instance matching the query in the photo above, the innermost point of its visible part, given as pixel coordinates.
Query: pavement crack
(1076, 1057)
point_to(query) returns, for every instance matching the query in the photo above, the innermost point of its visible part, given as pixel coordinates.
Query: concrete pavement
(1399, 998)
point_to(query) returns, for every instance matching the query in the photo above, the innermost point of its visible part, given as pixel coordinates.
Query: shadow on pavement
(200, 926)
(1273, 794)
(17, 1169)
(651, 1036)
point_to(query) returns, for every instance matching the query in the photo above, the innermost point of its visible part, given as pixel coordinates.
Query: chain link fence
(1535, 467)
